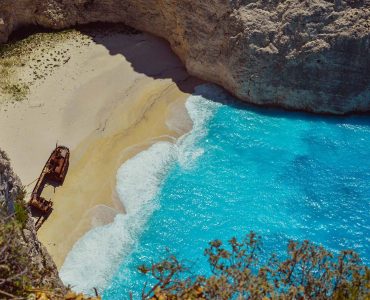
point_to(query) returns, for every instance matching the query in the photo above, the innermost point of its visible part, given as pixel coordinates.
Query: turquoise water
(283, 175)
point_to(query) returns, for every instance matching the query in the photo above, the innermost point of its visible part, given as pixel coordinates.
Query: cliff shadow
(153, 57)
(147, 54)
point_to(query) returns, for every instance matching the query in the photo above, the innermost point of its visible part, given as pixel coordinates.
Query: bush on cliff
(15, 268)
(20, 206)
(308, 272)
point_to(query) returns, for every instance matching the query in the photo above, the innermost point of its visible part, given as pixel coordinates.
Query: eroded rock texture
(10, 186)
(41, 271)
(311, 55)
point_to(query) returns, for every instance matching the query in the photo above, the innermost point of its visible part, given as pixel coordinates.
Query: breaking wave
(95, 257)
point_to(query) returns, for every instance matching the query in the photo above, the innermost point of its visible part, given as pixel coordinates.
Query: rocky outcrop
(10, 186)
(40, 269)
(48, 276)
(310, 55)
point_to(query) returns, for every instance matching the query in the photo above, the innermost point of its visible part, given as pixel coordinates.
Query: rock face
(311, 55)
(10, 186)
(38, 258)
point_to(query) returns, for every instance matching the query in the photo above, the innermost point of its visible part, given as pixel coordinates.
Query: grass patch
(21, 55)
(18, 91)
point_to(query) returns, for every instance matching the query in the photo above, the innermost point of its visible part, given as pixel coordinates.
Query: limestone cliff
(310, 55)
(10, 186)
(23, 257)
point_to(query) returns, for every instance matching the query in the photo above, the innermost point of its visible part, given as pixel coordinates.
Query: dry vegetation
(238, 272)
(18, 274)
(28, 61)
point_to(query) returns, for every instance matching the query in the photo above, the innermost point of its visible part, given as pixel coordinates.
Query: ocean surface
(284, 175)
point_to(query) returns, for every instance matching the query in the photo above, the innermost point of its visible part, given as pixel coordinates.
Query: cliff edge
(24, 263)
(311, 55)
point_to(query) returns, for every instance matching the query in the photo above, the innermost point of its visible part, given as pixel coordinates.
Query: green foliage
(308, 272)
(14, 261)
(21, 213)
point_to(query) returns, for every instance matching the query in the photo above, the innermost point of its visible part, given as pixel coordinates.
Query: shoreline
(108, 154)
(106, 104)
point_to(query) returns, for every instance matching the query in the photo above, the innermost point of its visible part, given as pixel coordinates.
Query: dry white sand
(109, 101)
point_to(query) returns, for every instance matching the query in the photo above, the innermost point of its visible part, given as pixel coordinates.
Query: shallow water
(283, 175)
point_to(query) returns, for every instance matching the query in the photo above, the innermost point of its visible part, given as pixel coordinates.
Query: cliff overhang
(310, 55)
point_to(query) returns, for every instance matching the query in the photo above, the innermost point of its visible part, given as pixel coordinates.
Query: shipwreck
(54, 174)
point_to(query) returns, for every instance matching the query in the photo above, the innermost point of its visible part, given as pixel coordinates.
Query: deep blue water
(284, 175)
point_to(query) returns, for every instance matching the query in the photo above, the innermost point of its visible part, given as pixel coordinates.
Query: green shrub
(21, 212)
(308, 272)
(14, 261)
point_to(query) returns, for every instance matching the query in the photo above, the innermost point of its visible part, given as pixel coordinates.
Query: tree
(307, 272)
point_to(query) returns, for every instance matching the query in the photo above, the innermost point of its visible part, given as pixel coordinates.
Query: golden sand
(107, 104)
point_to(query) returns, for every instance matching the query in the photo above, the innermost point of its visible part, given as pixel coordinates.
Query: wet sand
(112, 99)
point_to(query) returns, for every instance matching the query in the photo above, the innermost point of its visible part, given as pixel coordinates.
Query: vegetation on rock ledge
(308, 272)
(18, 273)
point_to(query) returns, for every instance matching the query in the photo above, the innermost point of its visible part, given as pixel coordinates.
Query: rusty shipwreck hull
(53, 173)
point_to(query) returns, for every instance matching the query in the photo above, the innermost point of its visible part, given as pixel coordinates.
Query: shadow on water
(225, 98)
(158, 61)
(153, 57)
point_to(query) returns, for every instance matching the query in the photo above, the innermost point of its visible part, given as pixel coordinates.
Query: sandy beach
(114, 97)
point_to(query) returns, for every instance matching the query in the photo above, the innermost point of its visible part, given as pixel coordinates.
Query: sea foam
(200, 110)
(94, 258)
